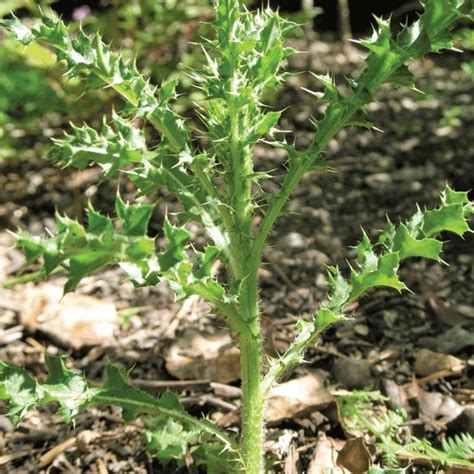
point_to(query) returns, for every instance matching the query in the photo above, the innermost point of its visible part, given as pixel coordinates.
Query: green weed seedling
(358, 411)
(218, 187)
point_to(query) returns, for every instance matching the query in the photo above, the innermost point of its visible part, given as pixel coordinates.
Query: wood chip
(47, 458)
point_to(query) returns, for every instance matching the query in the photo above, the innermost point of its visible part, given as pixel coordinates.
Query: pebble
(465, 310)
(6, 426)
(361, 329)
(293, 240)
(352, 373)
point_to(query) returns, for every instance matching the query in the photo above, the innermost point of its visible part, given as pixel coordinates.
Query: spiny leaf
(165, 169)
(73, 393)
(242, 62)
(177, 241)
(112, 149)
(408, 246)
(63, 386)
(446, 218)
(87, 56)
(133, 217)
(386, 63)
(378, 266)
(82, 251)
(170, 440)
(382, 273)
(19, 387)
(66, 387)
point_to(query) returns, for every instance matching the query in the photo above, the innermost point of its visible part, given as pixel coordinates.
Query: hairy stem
(253, 405)
(251, 373)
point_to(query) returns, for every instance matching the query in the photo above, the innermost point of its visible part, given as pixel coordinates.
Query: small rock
(293, 240)
(428, 362)
(452, 341)
(6, 426)
(390, 317)
(464, 423)
(361, 329)
(352, 373)
(465, 310)
(378, 179)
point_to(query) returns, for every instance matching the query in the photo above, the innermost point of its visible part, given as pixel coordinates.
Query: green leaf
(383, 274)
(73, 393)
(165, 169)
(87, 56)
(408, 246)
(446, 218)
(174, 252)
(63, 386)
(449, 196)
(134, 402)
(22, 33)
(66, 387)
(133, 217)
(267, 123)
(205, 261)
(97, 222)
(340, 289)
(378, 265)
(170, 440)
(17, 386)
(82, 251)
(325, 318)
(113, 148)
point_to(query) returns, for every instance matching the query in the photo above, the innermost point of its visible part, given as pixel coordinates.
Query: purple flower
(81, 12)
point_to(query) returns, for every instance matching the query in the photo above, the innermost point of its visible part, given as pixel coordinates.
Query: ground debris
(73, 320)
(298, 397)
(196, 355)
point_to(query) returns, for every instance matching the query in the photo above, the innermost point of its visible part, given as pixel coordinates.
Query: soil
(374, 175)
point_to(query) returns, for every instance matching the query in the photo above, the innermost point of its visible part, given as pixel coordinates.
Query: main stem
(251, 373)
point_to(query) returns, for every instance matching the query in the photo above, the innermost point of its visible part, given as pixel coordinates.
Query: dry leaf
(354, 456)
(73, 320)
(298, 396)
(437, 408)
(428, 362)
(195, 355)
(324, 458)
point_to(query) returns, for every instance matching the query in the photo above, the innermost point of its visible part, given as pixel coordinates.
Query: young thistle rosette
(211, 172)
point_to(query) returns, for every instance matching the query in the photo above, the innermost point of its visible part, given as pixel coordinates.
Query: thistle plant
(212, 174)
